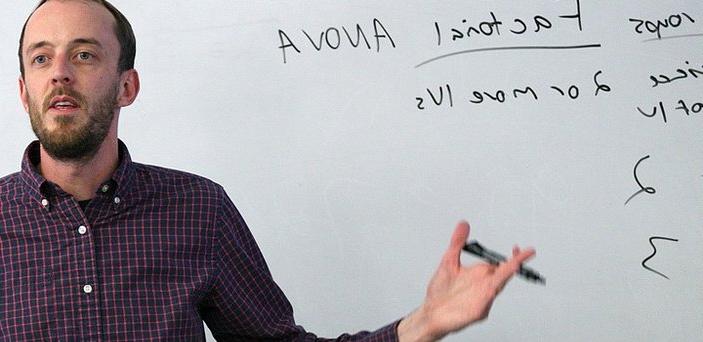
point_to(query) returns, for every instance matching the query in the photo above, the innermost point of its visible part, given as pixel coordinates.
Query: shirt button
(105, 188)
(117, 200)
(45, 202)
(82, 230)
(87, 289)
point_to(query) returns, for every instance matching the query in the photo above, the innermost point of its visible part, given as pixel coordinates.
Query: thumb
(458, 240)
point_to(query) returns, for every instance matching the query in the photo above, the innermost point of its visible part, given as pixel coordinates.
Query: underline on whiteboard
(543, 47)
(674, 37)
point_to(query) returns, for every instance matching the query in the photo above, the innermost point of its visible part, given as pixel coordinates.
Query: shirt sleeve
(244, 303)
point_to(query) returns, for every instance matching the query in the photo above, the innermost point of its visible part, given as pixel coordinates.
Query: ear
(129, 88)
(23, 94)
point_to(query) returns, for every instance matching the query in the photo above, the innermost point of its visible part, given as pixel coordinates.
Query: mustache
(63, 91)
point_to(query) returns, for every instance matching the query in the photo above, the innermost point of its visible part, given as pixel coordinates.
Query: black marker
(494, 258)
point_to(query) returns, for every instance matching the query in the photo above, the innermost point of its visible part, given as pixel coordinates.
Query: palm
(458, 296)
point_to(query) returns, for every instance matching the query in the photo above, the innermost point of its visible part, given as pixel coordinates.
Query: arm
(244, 303)
(458, 296)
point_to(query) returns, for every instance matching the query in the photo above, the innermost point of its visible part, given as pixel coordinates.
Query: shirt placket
(76, 282)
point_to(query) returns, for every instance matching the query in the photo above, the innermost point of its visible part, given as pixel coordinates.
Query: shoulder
(9, 184)
(9, 179)
(172, 181)
(11, 191)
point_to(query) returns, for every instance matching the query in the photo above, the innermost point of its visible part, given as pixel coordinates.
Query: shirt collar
(40, 188)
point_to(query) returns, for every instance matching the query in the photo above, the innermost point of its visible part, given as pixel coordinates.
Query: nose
(62, 73)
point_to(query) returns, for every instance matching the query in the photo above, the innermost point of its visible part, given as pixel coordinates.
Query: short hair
(123, 31)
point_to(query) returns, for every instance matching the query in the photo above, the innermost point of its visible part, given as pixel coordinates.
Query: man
(96, 247)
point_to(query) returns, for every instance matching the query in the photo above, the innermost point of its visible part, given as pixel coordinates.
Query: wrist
(416, 327)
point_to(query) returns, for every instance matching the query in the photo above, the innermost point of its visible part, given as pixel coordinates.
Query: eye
(41, 59)
(84, 56)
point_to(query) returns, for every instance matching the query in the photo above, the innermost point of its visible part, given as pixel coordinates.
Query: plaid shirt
(155, 253)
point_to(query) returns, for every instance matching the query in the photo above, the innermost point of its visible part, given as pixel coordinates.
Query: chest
(62, 268)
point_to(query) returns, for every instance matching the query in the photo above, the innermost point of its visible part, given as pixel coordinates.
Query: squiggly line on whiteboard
(647, 189)
(651, 242)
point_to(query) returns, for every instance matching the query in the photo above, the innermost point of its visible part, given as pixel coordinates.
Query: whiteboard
(352, 164)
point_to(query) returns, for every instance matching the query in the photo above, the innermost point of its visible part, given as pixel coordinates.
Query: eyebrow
(77, 41)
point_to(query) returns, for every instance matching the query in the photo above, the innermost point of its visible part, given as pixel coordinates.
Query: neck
(82, 178)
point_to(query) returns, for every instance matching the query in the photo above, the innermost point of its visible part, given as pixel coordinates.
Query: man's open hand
(458, 296)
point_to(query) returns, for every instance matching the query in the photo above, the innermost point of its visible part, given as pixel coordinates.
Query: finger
(507, 269)
(453, 253)
(522, 256)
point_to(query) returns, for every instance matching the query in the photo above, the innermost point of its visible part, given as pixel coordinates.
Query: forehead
(59, 22)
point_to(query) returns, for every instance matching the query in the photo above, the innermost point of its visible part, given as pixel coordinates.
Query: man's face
(71, 84)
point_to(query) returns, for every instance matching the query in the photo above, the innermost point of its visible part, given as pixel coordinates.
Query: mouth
(63, 104)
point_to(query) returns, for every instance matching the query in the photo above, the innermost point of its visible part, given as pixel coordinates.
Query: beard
(71, 141)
